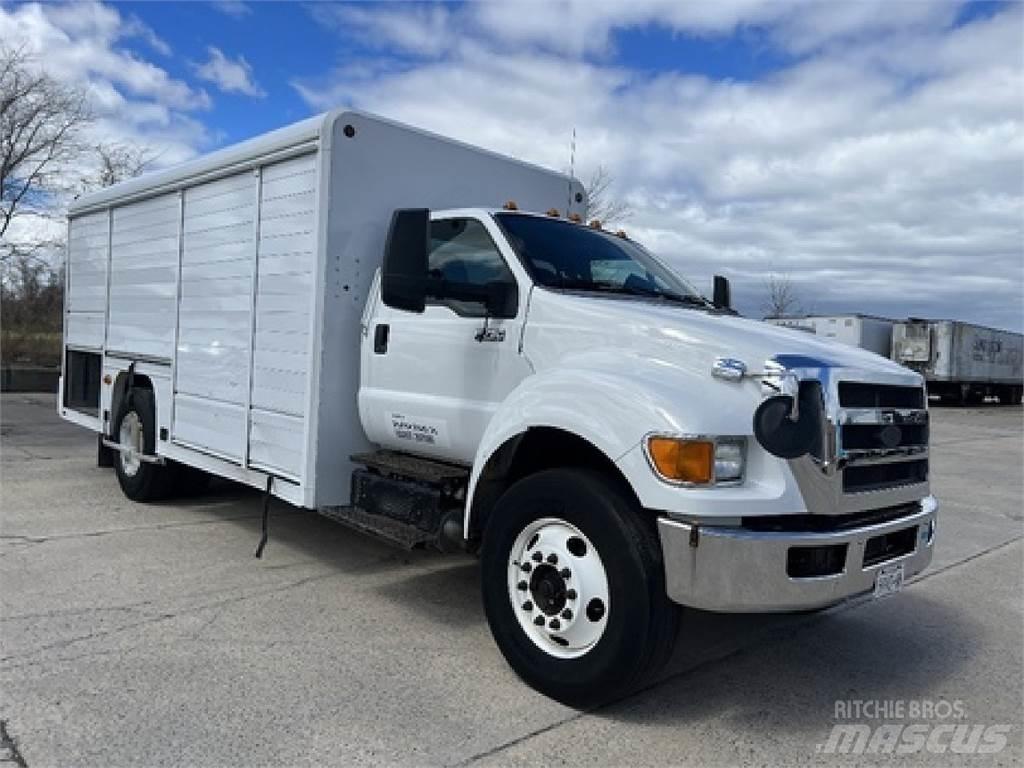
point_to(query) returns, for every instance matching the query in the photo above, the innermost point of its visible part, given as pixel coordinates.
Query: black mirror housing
(502, 299)
(404, 273)
(722, 296)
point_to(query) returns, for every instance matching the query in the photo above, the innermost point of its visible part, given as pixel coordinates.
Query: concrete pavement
(148, 635)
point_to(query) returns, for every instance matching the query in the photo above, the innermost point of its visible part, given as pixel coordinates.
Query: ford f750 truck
(352, 316)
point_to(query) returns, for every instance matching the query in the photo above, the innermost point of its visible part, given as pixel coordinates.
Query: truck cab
(771, 471)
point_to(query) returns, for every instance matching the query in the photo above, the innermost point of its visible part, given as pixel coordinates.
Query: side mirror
(722, 296)
(782, 435)
(502, 299)
(404, 274)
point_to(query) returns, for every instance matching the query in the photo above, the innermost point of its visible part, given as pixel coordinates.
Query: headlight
(697, 460)
(729, 458)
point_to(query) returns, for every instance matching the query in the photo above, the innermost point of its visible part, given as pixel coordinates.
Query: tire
(603, 653)
(140, 480)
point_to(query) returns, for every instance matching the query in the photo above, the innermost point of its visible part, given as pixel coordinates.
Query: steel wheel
(558, 587)
(132, 436)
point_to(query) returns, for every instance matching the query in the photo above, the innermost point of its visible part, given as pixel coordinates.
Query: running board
(410, 467)
(392, 531)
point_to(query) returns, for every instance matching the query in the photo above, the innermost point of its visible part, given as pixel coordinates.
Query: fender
(613, 400)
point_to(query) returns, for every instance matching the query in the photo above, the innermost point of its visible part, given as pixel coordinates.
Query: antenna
(572, 168)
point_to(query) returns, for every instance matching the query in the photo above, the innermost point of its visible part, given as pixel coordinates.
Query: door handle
(380, 339)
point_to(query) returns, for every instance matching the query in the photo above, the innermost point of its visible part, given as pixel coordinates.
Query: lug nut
(552, 558)
(567, 614)
(537, 557)
(555, 624)
(539, 621)
(521, 585)
(565, 573)
(526, 567)
(570, 594)
(527, 606)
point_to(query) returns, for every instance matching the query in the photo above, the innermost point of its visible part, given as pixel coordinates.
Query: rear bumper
(718, 568)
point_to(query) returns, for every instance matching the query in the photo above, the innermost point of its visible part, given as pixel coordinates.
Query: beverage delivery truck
(355, 317)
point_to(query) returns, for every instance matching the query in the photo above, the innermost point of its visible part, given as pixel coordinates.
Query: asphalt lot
(149, 635)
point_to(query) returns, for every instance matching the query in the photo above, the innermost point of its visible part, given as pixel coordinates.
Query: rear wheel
(573, 587)
(135, 429)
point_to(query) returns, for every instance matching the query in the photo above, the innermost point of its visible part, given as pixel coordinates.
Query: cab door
(431, 381)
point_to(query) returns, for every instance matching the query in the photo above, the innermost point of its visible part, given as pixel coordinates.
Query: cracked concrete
(149, 635)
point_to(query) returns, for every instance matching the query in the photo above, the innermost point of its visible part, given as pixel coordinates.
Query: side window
(462, 252)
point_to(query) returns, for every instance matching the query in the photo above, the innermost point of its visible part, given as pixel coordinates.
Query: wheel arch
(120, 390)
(534, 449)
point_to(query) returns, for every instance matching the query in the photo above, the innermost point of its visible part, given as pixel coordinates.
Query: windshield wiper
(626, 290)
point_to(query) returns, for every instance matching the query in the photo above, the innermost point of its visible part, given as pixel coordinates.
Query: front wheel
(573, 587)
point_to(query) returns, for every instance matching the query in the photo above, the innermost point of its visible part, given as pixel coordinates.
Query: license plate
(889, 580)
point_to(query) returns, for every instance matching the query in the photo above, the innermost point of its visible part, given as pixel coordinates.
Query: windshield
(560, 254)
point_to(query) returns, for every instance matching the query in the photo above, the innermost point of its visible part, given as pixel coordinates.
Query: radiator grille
(883, 436)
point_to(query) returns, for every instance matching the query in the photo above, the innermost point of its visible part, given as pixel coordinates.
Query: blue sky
(871, 151)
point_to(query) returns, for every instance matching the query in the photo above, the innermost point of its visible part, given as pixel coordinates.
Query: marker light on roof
(553, 212)
(595, 223)
(511, 206)
(574, 217)
(622, 233)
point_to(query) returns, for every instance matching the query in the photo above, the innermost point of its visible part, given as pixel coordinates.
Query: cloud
(422, 30)
(134, 101)
(228, 75)
(234, 8)
(880, 166)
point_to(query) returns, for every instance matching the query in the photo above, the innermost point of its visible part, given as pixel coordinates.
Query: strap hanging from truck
(266, 515)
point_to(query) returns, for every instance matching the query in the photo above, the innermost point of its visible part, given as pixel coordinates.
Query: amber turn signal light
(684, 461)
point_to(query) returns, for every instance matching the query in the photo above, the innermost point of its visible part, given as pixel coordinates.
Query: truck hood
(562, 326)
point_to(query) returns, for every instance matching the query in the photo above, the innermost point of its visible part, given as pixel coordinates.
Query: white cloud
(134, 101)
(882, 169)
(425, 30)
(234, 8)
(231, 76)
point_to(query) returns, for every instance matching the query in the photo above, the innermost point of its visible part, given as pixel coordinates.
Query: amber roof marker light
(511, 206)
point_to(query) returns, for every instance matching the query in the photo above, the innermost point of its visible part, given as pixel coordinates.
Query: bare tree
(41, 121)
(600, 203)
(116, 162)
(782, 299)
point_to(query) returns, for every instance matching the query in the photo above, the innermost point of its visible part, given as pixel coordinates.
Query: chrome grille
(883, 436)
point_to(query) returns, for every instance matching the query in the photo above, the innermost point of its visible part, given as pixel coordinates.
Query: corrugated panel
(284, 289)
(208, 424)
(144, 269)
(87, 280)
(216, 280)
(215, 314)
(276, 443)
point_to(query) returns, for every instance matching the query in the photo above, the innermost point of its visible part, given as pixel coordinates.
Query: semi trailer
(962, 362)
(426, 341)
(865, 331)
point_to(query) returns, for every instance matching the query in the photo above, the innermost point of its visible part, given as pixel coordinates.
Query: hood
(562, 325)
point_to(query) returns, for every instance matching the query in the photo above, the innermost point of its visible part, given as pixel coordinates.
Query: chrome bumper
(735, 570)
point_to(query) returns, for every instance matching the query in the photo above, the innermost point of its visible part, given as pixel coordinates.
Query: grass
(30, 347)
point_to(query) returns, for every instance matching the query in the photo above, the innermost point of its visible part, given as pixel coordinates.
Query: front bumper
(736, 570)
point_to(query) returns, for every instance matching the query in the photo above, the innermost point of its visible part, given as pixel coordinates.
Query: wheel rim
(558, 588)
(130, 435)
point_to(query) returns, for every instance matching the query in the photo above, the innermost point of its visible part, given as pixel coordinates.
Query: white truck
(962, 362)
(346, 314)
(865, 331)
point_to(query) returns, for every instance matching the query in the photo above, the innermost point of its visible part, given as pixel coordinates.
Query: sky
(870, 152)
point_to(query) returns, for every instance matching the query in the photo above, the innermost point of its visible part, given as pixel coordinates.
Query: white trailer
(347, 314)
(962, 362)
(865, 331)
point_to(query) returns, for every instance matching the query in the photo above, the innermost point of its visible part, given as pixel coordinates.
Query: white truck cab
(524, 385)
